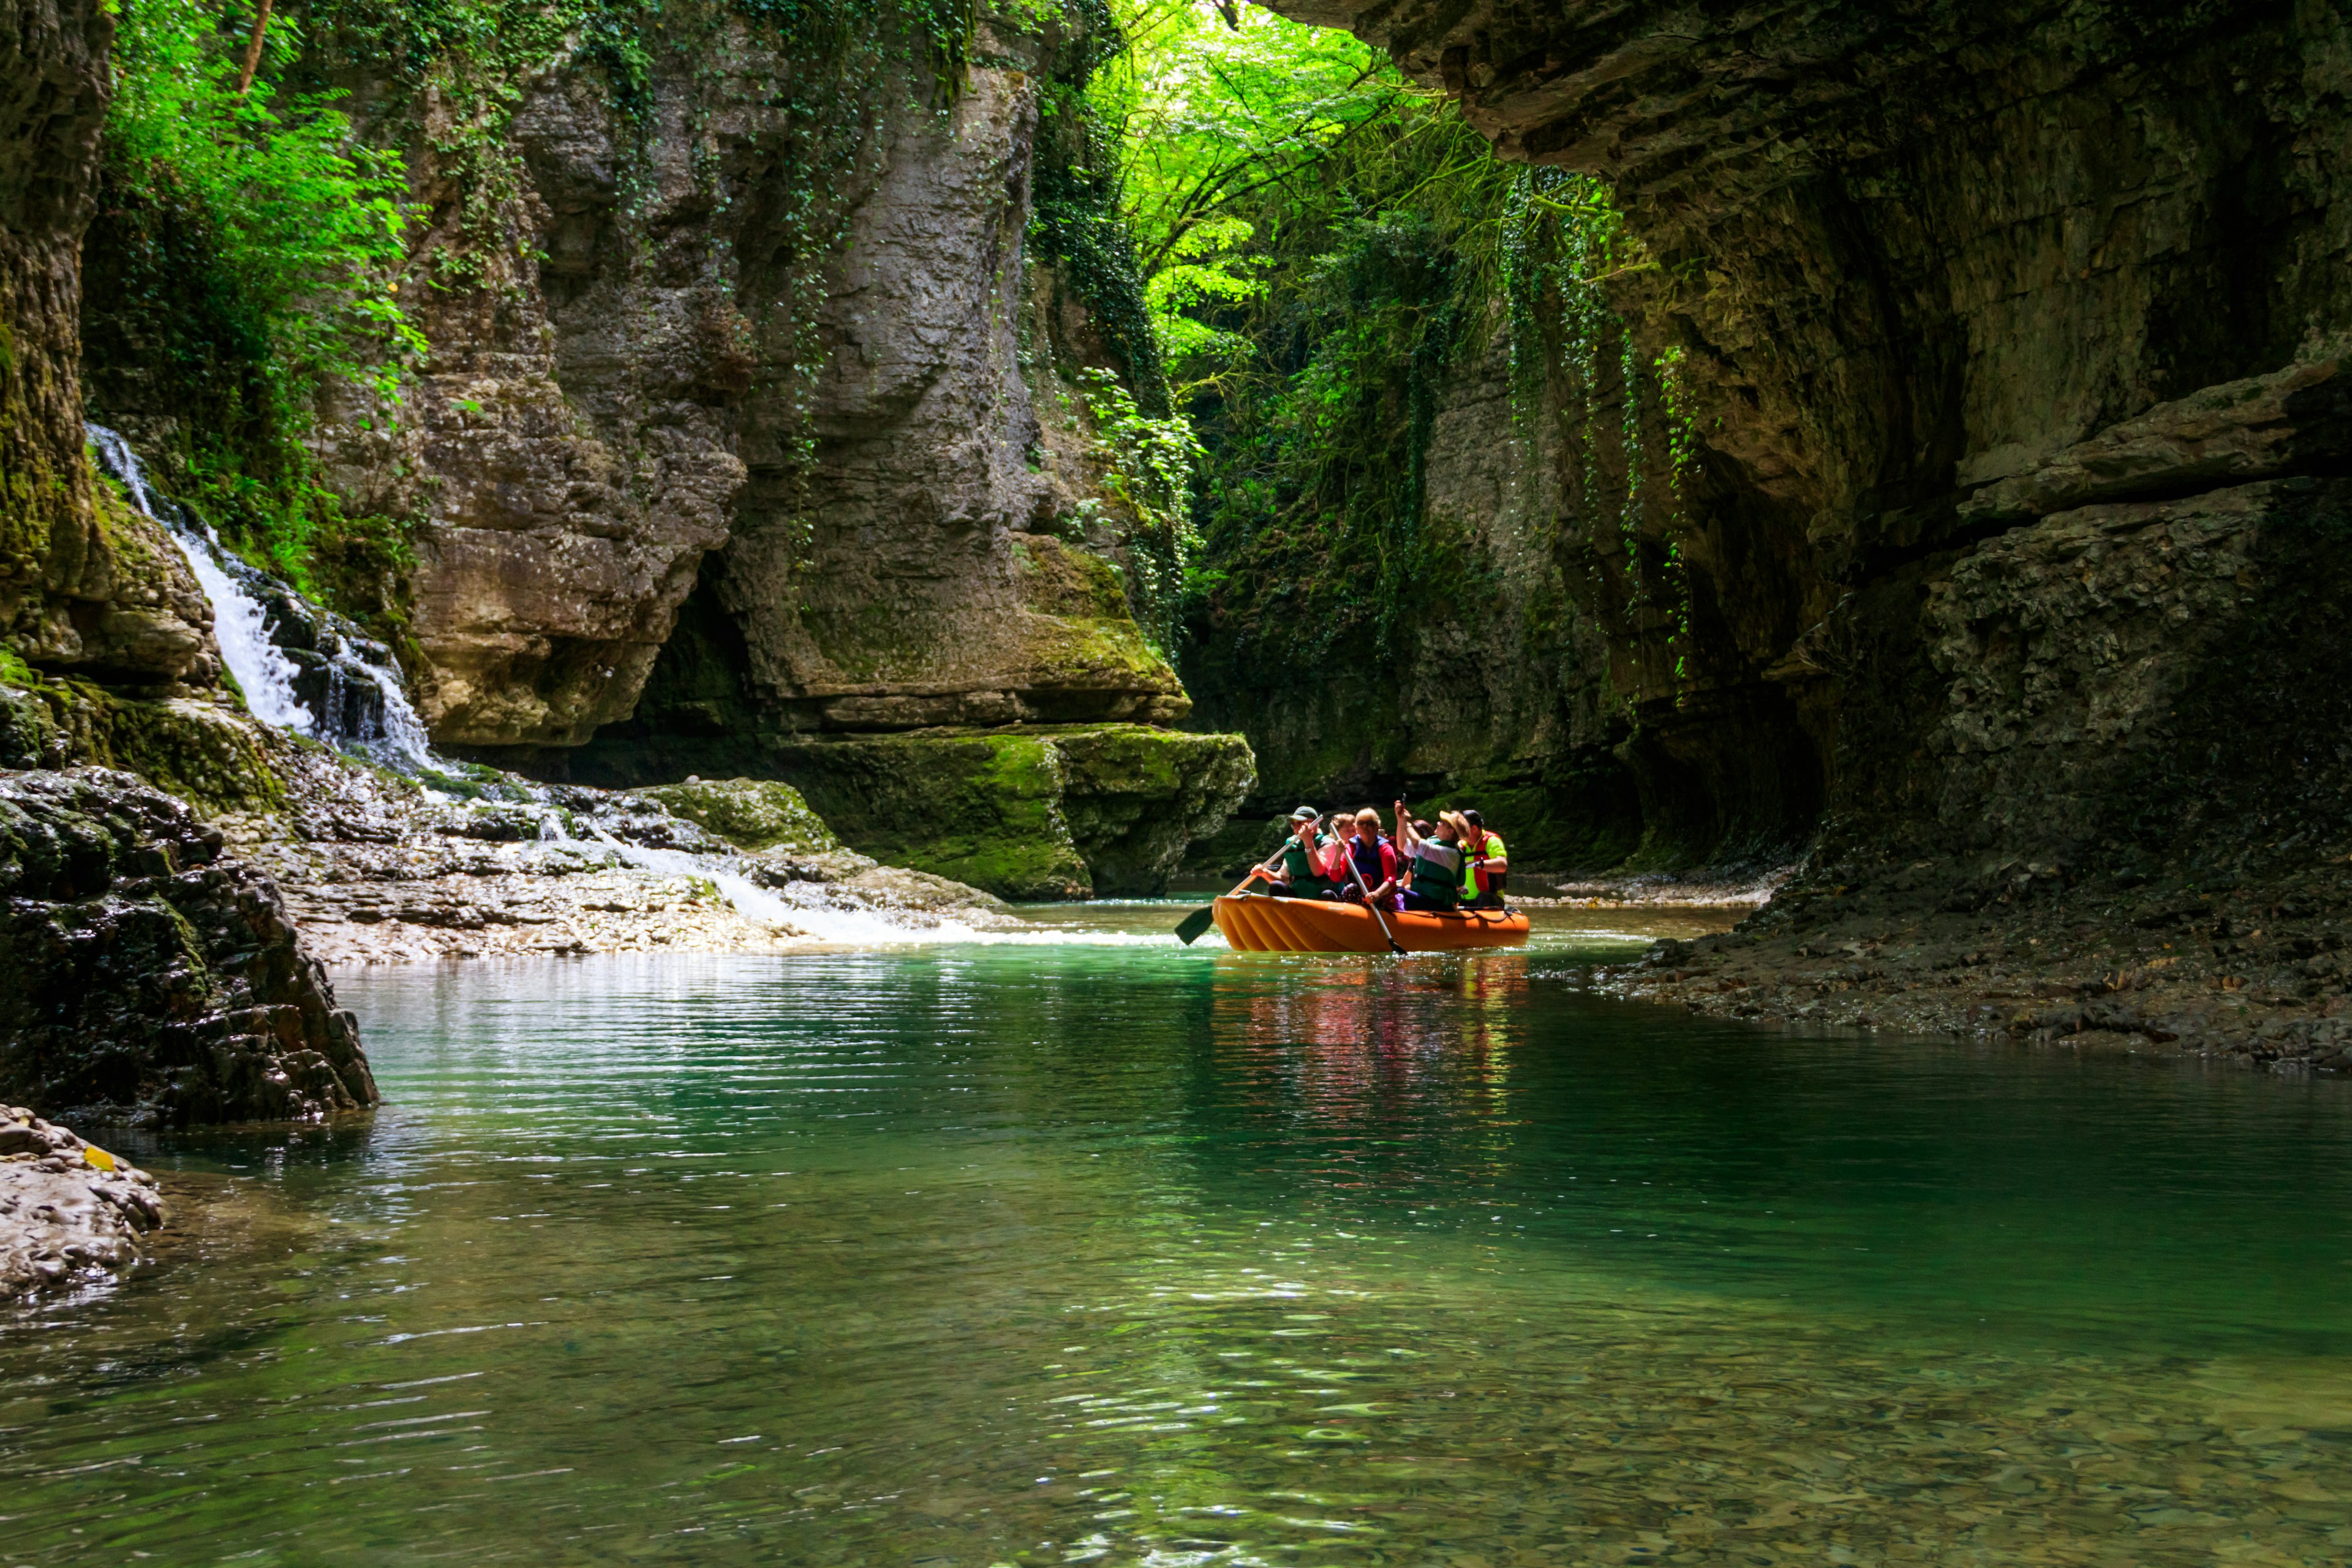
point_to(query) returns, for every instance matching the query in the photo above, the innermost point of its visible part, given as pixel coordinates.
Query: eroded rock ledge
(151, 979)
(69, 1210)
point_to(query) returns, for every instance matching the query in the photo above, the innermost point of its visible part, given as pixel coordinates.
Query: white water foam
(832, 925)
(403, 732)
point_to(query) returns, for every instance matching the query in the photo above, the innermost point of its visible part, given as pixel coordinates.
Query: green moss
(1060, 579)
(187, 748)
(750, 814)
(980, 809)
(1134, 796)
(13, 670)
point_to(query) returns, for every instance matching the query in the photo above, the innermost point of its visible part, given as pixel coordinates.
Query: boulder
(69, 1212)
(144, 977)
(750, 814)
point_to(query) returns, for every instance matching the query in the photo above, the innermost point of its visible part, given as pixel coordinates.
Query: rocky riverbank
(69, 1210)
(378, 868)
(2256, 972)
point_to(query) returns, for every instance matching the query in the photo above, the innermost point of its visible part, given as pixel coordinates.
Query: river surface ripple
(1137, 1255)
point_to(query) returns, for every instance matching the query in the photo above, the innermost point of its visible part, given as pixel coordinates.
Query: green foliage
(247, 251)
(1218, 116)
(1563, 239)
(307, 225)
(1153, 465)
(1323, 238)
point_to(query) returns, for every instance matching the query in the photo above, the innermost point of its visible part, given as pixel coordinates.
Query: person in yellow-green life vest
(1485, 866)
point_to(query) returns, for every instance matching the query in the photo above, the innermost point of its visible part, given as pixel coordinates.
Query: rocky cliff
(686, 343)
(1990, 316)
(749, 413)
(1495, 692)
(85, 584)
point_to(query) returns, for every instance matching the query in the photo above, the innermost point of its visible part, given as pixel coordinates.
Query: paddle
(1194, 926)
(1357, 871)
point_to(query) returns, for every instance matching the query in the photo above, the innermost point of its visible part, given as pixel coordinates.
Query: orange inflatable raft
(1254, 922)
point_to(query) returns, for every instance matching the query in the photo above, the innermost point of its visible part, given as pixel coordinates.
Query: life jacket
(1475, 879)
(1372, 856)
(1437, 872)
(1300, 864)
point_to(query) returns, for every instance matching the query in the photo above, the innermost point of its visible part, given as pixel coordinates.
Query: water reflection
(1073, 1255)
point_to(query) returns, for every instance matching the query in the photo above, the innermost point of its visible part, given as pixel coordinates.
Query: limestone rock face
(905, 581)
(147, 978)
(1951, 282)
(567, 443)
(638, 387)
(83, 585)
(1503, 702)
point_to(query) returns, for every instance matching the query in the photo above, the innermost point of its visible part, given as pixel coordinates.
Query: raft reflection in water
(1251, 922)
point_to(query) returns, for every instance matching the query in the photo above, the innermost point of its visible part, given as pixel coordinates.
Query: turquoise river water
(1104, 1250)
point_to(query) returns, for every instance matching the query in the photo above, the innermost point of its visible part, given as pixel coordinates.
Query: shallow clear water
(1128, 1254)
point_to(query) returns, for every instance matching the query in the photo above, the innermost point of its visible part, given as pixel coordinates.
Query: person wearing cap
(1300, 875)
(1485, 866)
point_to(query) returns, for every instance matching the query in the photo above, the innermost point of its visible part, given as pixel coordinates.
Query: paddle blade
(1196, 925)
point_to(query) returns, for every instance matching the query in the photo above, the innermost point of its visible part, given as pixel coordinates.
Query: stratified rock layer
(70, 1212)
(150, 979)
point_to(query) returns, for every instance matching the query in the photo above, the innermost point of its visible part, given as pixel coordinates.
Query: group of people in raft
(1451, 864)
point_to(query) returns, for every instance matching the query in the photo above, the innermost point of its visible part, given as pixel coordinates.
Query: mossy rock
(753, 814)
(1026, 815)
(981, 808)
(29, 737)
(195, 750)
(1134, 796)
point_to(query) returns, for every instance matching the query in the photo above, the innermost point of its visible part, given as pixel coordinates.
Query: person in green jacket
(1299, 873)
(1434, 877)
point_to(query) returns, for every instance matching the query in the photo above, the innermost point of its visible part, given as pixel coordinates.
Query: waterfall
(304, 669)
(299, 666)
(240, 625)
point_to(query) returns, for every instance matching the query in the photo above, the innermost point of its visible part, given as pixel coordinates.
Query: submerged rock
(146, 977)
(69, 1210)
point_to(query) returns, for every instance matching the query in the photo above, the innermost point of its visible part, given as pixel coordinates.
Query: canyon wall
(86, 584)
(747, 416)
(1496, 691)
(2011, 337)
(687, 345)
